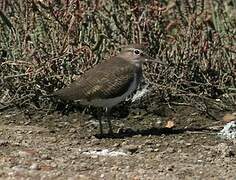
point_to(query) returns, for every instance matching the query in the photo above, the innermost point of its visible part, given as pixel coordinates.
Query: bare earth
(68, 147)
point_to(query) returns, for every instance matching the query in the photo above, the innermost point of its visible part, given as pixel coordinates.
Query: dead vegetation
(44, 45)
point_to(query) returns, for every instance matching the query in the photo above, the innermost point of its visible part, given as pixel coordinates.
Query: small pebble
(130, 148)
(34, 166)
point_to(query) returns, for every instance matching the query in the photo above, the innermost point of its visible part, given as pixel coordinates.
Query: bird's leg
(100, 126)
(108, 116)
(99, 117)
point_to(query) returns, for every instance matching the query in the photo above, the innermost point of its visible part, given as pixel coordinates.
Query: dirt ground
(59, 146)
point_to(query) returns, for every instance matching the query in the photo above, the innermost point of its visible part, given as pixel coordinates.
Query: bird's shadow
(152, 132)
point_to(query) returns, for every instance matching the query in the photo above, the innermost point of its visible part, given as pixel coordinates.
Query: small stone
(200, 161)
(170, 150)
(181, 141)
(95, 141)
(117, 145)
(34, 166)
(45, 157)
(188, 144)
(124, 143)
(130, 148)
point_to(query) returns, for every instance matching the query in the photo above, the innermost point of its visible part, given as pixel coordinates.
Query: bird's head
(135, 54)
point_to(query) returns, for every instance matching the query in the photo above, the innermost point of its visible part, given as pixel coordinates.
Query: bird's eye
(137, 52)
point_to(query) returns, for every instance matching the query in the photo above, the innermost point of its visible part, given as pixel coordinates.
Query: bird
(110, 82)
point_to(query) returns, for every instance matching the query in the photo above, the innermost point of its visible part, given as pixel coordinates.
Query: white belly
(112, 101)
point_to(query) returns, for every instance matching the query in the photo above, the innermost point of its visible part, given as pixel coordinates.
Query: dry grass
(45, 44)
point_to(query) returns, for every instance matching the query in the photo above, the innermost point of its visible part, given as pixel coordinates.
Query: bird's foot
(110, 132)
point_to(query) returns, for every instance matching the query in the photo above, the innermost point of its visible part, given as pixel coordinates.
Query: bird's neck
(138, 64)
(138, 71)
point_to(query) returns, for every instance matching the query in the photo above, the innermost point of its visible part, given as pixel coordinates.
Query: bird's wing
(108, 80)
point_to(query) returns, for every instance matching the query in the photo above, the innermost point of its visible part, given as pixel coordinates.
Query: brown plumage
(107, 80)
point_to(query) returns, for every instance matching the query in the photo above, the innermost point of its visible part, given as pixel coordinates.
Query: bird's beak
(150, 59)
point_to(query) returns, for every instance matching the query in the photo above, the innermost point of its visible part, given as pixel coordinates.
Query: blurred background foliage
(45, 44)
